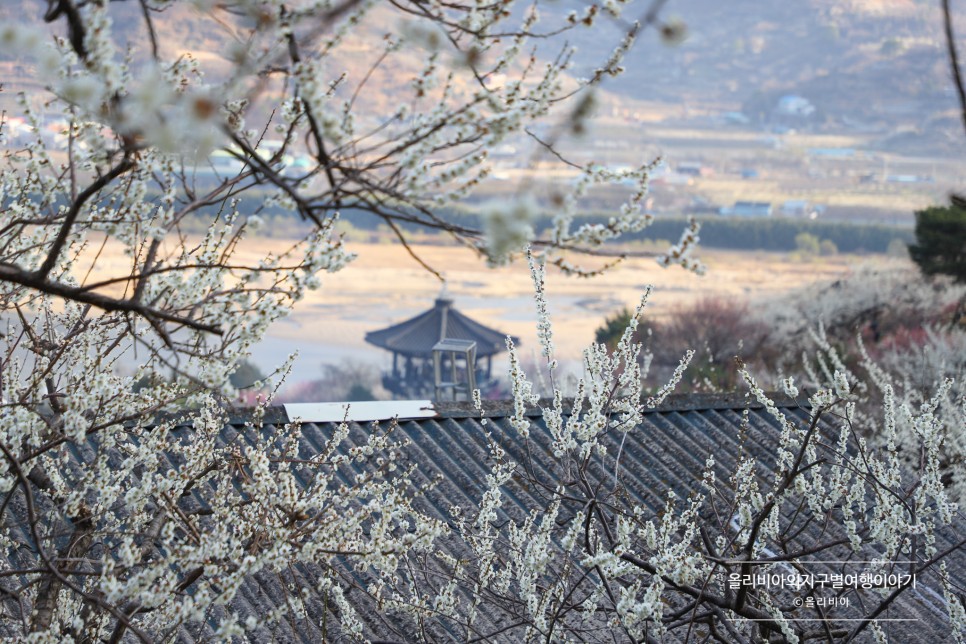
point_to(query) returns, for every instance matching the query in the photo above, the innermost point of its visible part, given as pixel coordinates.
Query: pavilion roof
(417, 336)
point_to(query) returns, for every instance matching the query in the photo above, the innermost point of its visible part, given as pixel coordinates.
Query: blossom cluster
(114, 373)
(618, 567)
(130, 510)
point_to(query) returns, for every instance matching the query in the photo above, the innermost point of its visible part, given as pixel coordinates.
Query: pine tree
(940, 246)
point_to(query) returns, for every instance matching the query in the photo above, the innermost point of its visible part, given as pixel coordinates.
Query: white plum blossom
(508, 227)
(131, 287)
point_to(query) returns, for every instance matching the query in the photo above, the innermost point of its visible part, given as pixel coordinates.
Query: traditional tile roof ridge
(677, 402)
(413, 409)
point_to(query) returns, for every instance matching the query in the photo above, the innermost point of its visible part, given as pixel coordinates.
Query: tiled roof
(447, 442)
(417, 336)
(666, 452)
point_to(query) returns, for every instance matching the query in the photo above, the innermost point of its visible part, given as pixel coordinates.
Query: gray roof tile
(666, 452)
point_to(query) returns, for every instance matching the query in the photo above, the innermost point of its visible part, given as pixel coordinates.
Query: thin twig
(954, 60)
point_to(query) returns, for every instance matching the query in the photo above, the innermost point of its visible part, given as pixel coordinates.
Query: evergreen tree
(940, 246)
(611, 331)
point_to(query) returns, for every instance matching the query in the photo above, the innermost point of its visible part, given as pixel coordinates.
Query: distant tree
(348, 381)
(940, 247)
(827, 247)
(718, 329)
(609, 333)
(807, 243)
(358, 392)
(246, 375)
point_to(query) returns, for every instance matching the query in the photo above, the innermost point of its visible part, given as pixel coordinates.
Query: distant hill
(867, 61)
(872, 64)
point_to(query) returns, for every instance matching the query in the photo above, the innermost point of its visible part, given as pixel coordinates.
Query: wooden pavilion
(412, 342)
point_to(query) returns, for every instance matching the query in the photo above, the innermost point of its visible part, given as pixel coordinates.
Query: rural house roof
(417, 336)
(447, 442)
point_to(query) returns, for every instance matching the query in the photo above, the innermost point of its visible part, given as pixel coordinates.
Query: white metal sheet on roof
(359, 411)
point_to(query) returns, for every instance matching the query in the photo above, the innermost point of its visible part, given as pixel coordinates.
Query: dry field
(384, 286)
